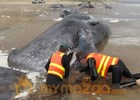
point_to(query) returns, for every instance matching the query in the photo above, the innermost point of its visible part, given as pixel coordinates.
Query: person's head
(63, 48)
(81, 57)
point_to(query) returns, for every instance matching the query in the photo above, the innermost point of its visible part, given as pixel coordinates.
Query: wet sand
(21, 23)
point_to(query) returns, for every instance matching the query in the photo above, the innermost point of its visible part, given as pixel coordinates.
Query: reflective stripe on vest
(103, 62)
(55, 66)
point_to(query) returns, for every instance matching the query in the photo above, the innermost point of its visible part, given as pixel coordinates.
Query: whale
(81, 32)
(8, 78)
(56, 6)
(69, 11)
(86, 5)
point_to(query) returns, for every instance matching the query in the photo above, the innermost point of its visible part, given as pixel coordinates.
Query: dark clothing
(122, 68)
(91, 69)
(56, 83)
(117, 70)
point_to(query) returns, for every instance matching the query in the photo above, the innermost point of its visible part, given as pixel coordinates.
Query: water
(129, 1)
(125, 40)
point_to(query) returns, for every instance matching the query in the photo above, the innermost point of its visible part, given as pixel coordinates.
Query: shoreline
(53, 2)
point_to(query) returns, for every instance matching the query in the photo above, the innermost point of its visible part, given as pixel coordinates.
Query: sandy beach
(22, 22)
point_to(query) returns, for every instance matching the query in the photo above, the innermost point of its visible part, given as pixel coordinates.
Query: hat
(64, 46)
(80, 55)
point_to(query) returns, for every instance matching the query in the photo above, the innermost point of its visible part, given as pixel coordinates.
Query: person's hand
(138, 82)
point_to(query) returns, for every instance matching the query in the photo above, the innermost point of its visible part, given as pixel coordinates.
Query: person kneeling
(99, 64)
(58, 68)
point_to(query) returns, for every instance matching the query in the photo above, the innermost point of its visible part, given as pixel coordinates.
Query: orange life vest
(55, 66)
(103, 62)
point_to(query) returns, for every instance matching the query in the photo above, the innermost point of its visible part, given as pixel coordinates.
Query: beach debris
(56, 6)
(114, 21)
(98, 98)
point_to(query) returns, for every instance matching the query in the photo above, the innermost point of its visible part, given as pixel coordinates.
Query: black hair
(63, 49)
(81, 55)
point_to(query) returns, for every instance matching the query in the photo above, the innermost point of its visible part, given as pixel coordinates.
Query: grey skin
(86, 18)
(8, 78)
(56, 6)
(77, 33)
(69, 11)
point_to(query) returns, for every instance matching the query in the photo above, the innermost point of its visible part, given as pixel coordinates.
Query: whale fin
(85, 44)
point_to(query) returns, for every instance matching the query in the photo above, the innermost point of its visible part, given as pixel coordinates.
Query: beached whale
(69, 11)
(86, 5)
(8, 78)
(79, 34)
(56, 6)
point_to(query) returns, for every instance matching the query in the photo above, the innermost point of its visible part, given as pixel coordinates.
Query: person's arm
(47, 65)
(66, 65)
(92, 69)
